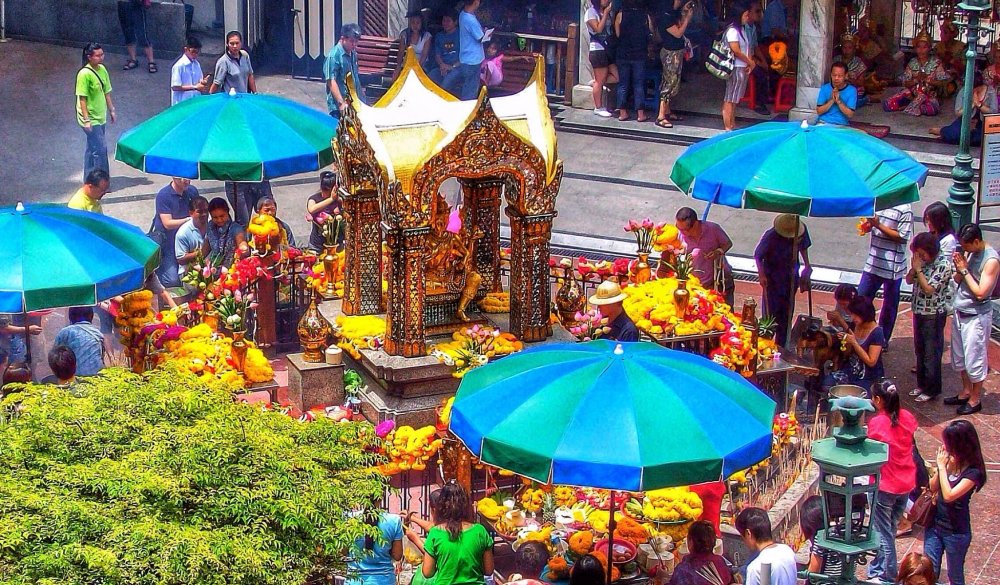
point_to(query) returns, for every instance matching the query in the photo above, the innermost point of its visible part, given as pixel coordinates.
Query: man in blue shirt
(172, 203)
(838, 99)
(470, 52)
(85, 340)
(343, 59)
(444, 64)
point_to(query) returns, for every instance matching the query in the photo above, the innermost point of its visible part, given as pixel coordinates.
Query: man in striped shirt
(886, 264)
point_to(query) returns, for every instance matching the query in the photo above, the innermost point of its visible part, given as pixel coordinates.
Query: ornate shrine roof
(416, 119)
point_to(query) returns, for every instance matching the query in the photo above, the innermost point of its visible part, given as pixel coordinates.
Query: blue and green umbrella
(790, 167)
(54, 256)
(629, 416)
(625, 416)
(231, 137)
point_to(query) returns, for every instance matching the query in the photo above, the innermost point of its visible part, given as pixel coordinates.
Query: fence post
(572, 58)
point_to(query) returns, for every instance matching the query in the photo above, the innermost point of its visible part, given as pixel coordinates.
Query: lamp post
(961, 195)
(849, 469)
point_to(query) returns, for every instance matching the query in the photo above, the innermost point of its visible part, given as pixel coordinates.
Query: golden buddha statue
(450, 258)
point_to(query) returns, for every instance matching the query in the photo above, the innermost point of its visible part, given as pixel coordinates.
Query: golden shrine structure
(393, 158)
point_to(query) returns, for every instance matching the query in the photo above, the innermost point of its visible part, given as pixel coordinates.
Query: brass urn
(314, 330)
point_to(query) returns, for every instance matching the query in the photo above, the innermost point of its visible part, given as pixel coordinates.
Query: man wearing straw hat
(778, 276)
(608, 300)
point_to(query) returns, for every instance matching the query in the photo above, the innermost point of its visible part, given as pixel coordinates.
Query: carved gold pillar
(363, 254)
(529, 275)
(404, 319)
(483, 197)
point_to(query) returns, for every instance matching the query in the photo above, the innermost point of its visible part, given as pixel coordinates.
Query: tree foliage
(155, 479)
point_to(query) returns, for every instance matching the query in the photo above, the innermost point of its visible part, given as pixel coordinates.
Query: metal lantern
(849, 464)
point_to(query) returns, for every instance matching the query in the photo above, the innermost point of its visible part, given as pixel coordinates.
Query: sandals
(130, 64)
(663, 123)
(152, 67)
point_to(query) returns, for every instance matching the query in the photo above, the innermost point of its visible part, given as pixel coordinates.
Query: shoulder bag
(721, 62)
(922, 512)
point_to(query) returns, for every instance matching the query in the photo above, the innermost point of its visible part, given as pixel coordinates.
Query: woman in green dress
(456, 551)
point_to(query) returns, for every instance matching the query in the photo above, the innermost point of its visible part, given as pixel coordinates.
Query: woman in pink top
(894, 426)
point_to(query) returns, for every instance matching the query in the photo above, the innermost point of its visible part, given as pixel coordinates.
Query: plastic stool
(750, 96)
(784, 95)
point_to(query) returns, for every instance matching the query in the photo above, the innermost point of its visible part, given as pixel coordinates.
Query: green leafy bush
(155, 479)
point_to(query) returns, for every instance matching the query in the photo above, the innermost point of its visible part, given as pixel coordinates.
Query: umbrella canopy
(788, 167)
(53, 256)
(231, 137)
(630, 416)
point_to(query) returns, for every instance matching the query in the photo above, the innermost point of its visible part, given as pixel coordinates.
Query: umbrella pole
(795, 274)
(611, 533)
(27, 338)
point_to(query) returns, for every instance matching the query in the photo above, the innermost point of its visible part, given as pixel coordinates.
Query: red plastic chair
(784, 95)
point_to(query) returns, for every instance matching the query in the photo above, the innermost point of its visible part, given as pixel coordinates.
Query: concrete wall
(204, 14)
(77, 22)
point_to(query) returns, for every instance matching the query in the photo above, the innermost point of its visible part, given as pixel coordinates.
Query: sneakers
(925, 398)
(602, 112)
(916, 392)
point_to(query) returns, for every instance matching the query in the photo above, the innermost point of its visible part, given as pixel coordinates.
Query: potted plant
(767, 326)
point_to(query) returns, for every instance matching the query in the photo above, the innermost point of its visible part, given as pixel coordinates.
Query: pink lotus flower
(631, 225)
(647, 223)
(321, 218)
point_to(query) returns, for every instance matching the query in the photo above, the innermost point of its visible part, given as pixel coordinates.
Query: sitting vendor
(608, 299)
(924, 82)
(701, 545)
(864, 347)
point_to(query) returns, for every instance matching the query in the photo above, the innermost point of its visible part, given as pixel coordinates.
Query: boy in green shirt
(93, 94)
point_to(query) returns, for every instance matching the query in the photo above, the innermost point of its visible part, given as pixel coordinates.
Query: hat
(784, 224)
(922, 37)
(848, 37)
(350, 30)
(608, 293)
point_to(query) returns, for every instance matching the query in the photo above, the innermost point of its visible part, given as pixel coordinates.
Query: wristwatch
(963, 272)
